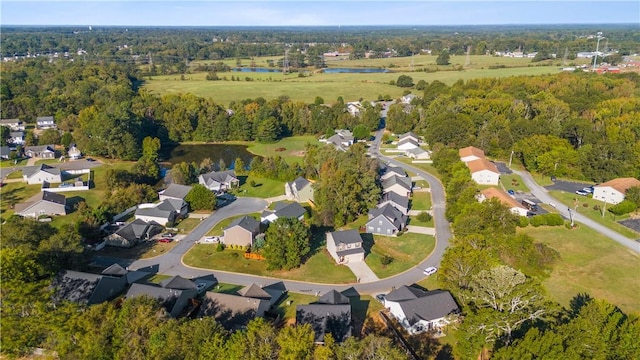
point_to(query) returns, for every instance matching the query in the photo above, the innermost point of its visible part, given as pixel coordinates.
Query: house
(131, 276)
(331, 314)
(5, 152)
(484, 172)
(614, 191)
(401, 203)
(13, 124)
(17, 137)
(241, 231)
(270, 293)
(219, 181)
(174, 191)
(345, 246)
(43, 203)
(470, 153)
(418, 310)
(133, 232)
(300, 190)
(407, 143)
(174, 293)
(283, 210)
(341, 140)
(418, 154)
(505, 199)
(386, 220)
(74, 153)
(45, 122)
(354, 108)
(42, 151)
(40, 174)
(87, 288)
(390, 171)
(410, 135)
(233, 312)
(408, 98)
(400, 185)
(167, 211)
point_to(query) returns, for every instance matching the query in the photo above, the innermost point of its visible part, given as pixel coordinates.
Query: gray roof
(232, 311)
(115, 270)
(44, 118)
(358, 250)
(289, 210)
(410, 133)
(171, 205)
(397, 199)
(394, 169)
(346, 237)
(47, 196)
(167, 297)
(15, 134)
(223, 177)
(39, 148)
(29, 171)
(137, 276)
(154, 212)
(397, 218)
(138, 229)
(405, 292)
(178, 282)
(300, 183)
(176, 191)
(409, 141)
(254, 291)
(417, 151)
(246, 222)
(433, 305)
(333, 297)
(86, 288)
(9, 121)
(5, 151)
(405, 182)
(326, 319)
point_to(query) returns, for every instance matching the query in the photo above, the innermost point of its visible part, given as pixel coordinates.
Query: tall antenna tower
(564, 57)
(468, 60)
(285, 63)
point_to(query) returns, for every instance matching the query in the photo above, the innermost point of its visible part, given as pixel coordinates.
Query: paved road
(542, 194)
(171, 263)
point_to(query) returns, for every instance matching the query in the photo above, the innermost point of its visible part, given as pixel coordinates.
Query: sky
(316, 13)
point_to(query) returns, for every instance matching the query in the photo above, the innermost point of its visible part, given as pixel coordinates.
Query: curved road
(171, 263)
(542, 195)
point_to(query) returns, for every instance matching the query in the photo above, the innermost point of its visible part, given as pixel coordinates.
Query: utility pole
(596, 54)
(510, 158)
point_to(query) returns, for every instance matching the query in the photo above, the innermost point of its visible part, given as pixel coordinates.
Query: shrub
(386, 260)
(523, 221)
(219, 247)
(538, 220)
(424, 217)
(554, 219)
(252, 183)
(622, 208)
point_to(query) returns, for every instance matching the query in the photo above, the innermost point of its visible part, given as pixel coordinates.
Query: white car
(430, 270)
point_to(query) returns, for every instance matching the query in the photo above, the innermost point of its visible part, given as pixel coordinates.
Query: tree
(5, 135)
(360, 132)
(239, 167)
(421, 85)
(443, 58)
(49, 136)
(296, 342)
(633, 195)
(286, 243)
(184, 173)
(66, 140)
(200, 198)
(257, 342)
(150, 148)
(404, 81)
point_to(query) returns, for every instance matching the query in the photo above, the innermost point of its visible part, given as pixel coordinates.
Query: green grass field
(14, 193)
(421, 200)
(328, 86)
(591, 263)
(186, 225)
(406, 250)
(513, 182)
(264, 188)
(218, 230)
(609, 220)
(293, 146)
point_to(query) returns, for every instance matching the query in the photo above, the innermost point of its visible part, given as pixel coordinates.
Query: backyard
(406, 251)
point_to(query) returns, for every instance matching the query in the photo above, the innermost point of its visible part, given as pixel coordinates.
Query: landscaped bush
(622, 208)
(554, 219)
(523, 221)
(219, 247)
(386, 260)
(424, 217)
(538, 220)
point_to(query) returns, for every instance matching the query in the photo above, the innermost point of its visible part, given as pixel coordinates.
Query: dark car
(511, 192)
(381, 297)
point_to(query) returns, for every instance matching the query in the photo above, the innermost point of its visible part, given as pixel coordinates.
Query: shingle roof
(86, 288)
(5, 151)
(408, 141)
(394, 170)
(482, 164)
(232, 311)
(433, 305)
(326, 319)
(246, 222)
(471, 151)
(137, 229)
(333, 297)
(223, 177)
(405, 292)
(397, 199)
(176, 191)
(254, 291)
(178, 282)
(621, 184)
(504, 198)
(168, 297)
(409, 134)
(115, 270)
(292, 210)
(41, 196)
(346, 237)
(171, 205)
(352, 251)
(154, 212)
(397, 218)
(405, 182)
(29, 171)
(300, 183)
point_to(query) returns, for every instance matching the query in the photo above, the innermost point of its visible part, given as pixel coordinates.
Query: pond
(198, 152)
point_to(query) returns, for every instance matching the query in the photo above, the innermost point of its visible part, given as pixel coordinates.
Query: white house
(614, 191)
(162, 213)
(408, 98)
(74, 153)
(13, 124)
(341, 140)
(470, 153)
(418, 154)
(219, 181)
(504, 198)
(17, 137)
(46, 122)
(407, 144)
(354, 108)
(283, 210)
(300, 190)
(418, 310)
(484, 172)
(345, 246)
(390, 171)
(41, 173)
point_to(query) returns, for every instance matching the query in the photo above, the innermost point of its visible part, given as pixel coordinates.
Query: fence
(254, 256)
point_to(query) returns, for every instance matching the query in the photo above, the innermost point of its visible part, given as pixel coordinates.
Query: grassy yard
(609, 220)
(406, 250)
(186, 225)
(14, 193)
(291, 148)
(320, 267)
(590, 263)
(425, 167)
(421, 200)
(10, 163)
(144, 250)
(513, 182)
(413, 220)
(264, 188)
(219, 228)
(287, 305)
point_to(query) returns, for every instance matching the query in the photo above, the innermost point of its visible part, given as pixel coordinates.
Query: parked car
(430, 270)
(582, 192)
(164, 240)
(381, 297)
(511, 192)
(588, 189)
(168, 235)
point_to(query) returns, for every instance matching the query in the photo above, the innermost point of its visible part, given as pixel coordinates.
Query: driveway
(421, 230)
(362, 271)
(503, 168)
(568, 186)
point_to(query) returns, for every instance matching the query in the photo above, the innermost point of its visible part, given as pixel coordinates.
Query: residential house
(345, 246)
(408, 98)
(331, 314)
(133, 232)
(418, 154)
(131, 276)
(40, 174)
(43, 203)
(400, 185)
(233, 312)
(17, 137)
(341, 140)
(417, 310)
(354, 108)
(5, 152)
(219, 181)
(470, 153)
(74, 153)
(401, 203)
(504, 198)
(300, 190)
(173, 293)
(241, 231)
(167, 211)
(283, 210)
(410, 135)
(386, 220)
(614, 191)
(271, 293)
(13, 124)
(484, 172)
(389, 171)
(87, 288)
(45, 122)
(41, 151)
(407, 143)
(174, 191)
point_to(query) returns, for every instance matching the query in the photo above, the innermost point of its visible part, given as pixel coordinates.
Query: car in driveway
(582, 192)
(165, 240)
(430, 270)
(511, 192)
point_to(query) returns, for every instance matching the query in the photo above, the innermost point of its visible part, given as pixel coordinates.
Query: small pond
(198, 152)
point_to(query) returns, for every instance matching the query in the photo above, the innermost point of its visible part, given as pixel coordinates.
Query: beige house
(470, 153)
(614, 191)
(504, 198)
(484, 172)
(299, 190)
(241, 231)
(345, 246)
(43, 203)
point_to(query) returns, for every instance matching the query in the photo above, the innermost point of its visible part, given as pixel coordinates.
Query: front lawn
(421, 200)
(513, 182)
(218, 229)
(186, 225)
(406, 250)
(252, 186)
(287, 305)
(413, 220)
(143, 250)
(14, 193)
(590, 263)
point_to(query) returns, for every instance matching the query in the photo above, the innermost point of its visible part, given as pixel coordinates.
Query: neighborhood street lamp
(597, 47)
(570, 217)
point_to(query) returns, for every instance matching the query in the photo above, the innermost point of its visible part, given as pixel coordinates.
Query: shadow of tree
(367, 242)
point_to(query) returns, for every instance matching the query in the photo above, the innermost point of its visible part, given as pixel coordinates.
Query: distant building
(504, 198)
(331, 314)
(13, 124)
(174, 191)
(417, 310)
(219, 181)
(132, 233)
(470, 153)
(614, 191)
(41, 151)
(484, 172)
(40, 174)
(74, 153)
(283, 210)
(43, 203)
(46, 122)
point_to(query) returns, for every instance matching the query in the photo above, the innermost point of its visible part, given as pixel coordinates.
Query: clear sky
(316, 13)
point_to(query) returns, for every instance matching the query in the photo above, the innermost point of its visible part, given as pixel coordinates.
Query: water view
(198, 152)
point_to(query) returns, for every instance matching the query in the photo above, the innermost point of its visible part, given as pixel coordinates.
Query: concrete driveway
(362, 271)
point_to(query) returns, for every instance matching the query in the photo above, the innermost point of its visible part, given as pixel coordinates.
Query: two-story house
(345, 246)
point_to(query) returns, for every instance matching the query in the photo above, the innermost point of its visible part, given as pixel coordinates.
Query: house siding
(42, 176)
(486, 177)
(238, 236)
(607, 194)
(44, 208)
(381, 225)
